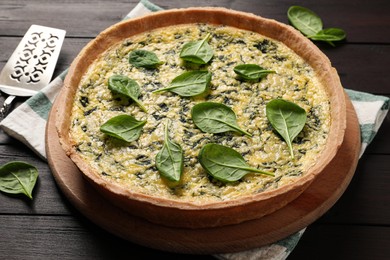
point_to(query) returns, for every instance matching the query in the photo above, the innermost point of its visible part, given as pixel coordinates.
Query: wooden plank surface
(356, 227)
(328, 242)
(53, 237)
(68, 237)
(352, 15)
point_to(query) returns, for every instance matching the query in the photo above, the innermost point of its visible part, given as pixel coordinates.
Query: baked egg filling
(132, 164)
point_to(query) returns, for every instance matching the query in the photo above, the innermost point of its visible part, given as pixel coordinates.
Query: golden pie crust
(185, 214)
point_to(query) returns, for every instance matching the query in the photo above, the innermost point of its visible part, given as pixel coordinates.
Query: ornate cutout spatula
(31, 66)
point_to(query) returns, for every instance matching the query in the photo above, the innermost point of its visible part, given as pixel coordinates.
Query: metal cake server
(31, 65)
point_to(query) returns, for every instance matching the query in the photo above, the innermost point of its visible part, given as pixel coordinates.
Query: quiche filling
(132, 164)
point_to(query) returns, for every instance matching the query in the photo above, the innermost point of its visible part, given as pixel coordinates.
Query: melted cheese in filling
(132, 165)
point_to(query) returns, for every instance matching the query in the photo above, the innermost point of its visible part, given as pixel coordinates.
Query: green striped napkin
(27, 123)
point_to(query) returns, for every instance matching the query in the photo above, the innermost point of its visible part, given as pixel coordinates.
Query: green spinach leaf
(305, 20)
(190, 83)
(251, 72)
(123, 127)
(329, 35)
(225, 164)
(169, 160)
(310, 24)
(18, 178)
(123, 85)
(198, 52)
(287, 118)
(143, 58)
(213, 117)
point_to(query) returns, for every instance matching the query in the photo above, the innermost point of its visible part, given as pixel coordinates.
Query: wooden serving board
(313, 203)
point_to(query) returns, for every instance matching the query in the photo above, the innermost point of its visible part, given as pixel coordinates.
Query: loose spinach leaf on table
(329, 35)
(198, 52)
(287, 118)
(225, 164)
(251, 71)
(305, 20)
(143, 58)
(123, 85)
(169, 160)
(215, 118)
(310, 24)
(123, 127)
(190, 83)
(18, 178)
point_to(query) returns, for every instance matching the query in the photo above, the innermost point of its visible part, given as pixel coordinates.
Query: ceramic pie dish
(127, 173)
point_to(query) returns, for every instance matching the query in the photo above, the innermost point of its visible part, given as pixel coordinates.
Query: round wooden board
(313, 203)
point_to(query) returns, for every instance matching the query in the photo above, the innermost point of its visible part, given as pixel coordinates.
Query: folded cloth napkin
(27, 123)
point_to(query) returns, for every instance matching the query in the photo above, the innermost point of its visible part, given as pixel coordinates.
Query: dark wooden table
(356, 227)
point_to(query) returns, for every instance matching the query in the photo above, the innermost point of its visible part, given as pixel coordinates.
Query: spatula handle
(6, 106)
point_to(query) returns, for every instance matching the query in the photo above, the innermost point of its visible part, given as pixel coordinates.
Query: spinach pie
(201, 117)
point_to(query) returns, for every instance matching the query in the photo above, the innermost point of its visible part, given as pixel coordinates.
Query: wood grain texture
(67, 237)
(73, 238)
(356, 227)
(365, 242)
(89, 19)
